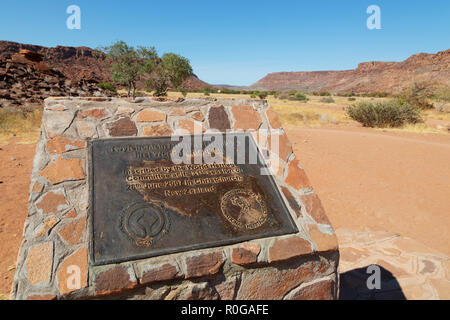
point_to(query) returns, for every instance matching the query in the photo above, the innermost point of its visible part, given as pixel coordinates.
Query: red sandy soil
(16, 163)
(392, 181)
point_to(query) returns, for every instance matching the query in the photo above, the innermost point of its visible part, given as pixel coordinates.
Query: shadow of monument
(353, 286)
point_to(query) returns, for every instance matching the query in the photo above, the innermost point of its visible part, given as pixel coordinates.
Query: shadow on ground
(353, 286)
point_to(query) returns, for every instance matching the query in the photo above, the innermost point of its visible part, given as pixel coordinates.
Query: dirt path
(16, 163)
(392, 181)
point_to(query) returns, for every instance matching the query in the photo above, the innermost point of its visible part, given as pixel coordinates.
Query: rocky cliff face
(390, 77)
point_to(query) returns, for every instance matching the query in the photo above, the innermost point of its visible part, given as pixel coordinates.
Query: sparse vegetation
(25, 124)
(107, 86)
(327, 100)
(394, 113)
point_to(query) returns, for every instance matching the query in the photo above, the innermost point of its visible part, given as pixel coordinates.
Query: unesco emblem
(244, 209)
(145, 223)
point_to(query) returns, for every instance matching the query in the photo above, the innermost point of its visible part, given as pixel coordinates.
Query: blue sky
(239, 42)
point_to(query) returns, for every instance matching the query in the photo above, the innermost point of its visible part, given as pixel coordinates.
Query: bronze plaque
(144, 203)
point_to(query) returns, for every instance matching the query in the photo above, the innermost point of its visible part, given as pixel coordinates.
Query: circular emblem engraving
(244, 209)
(145, 223)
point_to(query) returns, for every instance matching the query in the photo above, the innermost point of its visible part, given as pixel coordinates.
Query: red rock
(322, 290)
(246, 253)
(274, 284)
(284, 148)
(67, 272)
(273, 118)
(296, 176)
(314, 208)
(122, 127)
(114, 280)
(323, 241)
(158, 130)
(52, 203)
(246, 118)
(204, 264)
(197, 116)
(160, 272)
(287, 248)
(227, 289)
(178, 112)
(148, 115)
(59, 145)
(63, 170)
(292, 202)
(218, 118)
(72, 232)
(98, 113)
(190, 126)
(39, 263)
(49, 223)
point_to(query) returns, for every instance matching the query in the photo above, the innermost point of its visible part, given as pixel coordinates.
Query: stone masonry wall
(56, 231)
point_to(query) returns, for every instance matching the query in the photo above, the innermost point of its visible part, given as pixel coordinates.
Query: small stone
(273, 284)
(204, 264)
(273, 118)
(86, 129)
(49, 223)
(52, 202)
(56, 107)
(296, 176)
(122, 127)
(314, 208)
(68, 272)
(178, 112)
(124, 110)
(218, 118)
(158, 130)
(246, 118)
(99, 113)
(63, 170)
(190, 126)
(72, 232)
(149, 115)
(292, 202)
(160, 272)
(246, 253)
(283, 147)
(37, 187)
(59, 145)
(39, 263)
(197, 116)
(287, 248)
(322, 290)
(115, 280)
(323, 241)
(227, 289)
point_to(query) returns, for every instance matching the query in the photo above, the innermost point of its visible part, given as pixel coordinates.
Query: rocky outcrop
(391, 77)
(77, 71)
(26, 80)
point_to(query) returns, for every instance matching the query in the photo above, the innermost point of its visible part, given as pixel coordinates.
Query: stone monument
(162, 198)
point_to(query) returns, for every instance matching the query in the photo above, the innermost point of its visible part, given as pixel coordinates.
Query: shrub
(394, 113)
(418, 96)
(262, 95)
(298, 96)
(107, 86)
(351, 99)
(327, 100)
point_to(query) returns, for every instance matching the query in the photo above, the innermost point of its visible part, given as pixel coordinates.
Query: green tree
(171, 70)
(128, 65)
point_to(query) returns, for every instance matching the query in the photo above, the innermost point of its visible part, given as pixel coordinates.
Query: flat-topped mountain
(390, 77)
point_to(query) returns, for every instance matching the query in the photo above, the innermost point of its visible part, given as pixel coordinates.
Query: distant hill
(391, 77)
